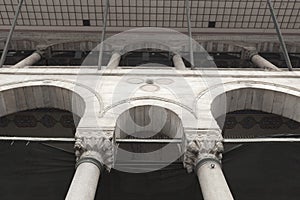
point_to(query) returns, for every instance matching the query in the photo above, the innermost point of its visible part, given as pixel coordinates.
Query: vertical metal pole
(103, 35)
(187, 5)
(4, 53)
(283, 46)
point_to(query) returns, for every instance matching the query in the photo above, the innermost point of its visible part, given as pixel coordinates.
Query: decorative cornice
(202, 147)
(96, 146)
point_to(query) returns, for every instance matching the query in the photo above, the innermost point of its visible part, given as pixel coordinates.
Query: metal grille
(252, 14)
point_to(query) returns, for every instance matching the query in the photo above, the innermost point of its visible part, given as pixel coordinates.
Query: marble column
(203, 156)
(178, 62)
(35, 57)
(114, 61)
(250, 53)
(94, 152)
(263, 63)
(28, 61)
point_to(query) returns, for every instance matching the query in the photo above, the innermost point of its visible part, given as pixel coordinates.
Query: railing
(175, 140)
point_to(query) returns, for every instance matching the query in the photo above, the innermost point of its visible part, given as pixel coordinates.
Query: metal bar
(44, 139)
(103, 35)
(188, 15)
(176, 140)
(261, 140)
(37, 139)
(280, 37)
(4, 53)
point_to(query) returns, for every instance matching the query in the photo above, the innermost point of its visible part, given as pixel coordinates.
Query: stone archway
(52, 93)
(273, 100)
(259, 165)
(220, 99)
(148, 123)
(252, 95)
(187, 115)
(150, 119)
(38, 109)
(42, 96)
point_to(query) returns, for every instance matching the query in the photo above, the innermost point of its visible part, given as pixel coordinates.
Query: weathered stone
(95, 144)
(201, 147)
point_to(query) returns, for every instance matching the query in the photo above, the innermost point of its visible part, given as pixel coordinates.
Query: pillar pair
(95, 153)
(116, 57)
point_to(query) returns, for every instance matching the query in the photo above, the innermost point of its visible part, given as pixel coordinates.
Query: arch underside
(33, 97)
(259, 99)
(148, 122)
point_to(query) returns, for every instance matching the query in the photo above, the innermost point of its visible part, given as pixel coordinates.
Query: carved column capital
(44, 50)
(202, 147)
(248, 52)
(95, 146)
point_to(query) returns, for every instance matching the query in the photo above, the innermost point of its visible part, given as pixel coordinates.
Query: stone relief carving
(201, 146)
(95, 144)
(248, 53)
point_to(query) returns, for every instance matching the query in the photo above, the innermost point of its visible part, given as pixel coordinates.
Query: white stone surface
(212, 182)
(84, 183)
(189, 94)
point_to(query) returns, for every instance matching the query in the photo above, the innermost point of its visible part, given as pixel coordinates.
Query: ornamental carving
(248, 122)
(97, 145)
(248, 52)
(203, 146)
(271, 122)
(230, 122)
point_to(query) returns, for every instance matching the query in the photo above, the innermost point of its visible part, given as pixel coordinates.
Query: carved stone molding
(44, 50)
(96, 146)
(248, 52)
(203, 146)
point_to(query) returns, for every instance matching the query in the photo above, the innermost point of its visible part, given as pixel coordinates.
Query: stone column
(94, 152)
(178, 62)
(203, 155)
(114, 61)
(28, 61)
(250, 53)
(34, 57)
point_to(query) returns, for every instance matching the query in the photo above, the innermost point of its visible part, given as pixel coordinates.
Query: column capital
(95, 146)
(248, 52)
(43, 50)
(203, 146)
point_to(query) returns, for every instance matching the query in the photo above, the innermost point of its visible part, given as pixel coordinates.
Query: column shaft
(212, 182)
(203, 155)
(178, 62)
(84, 183)
(263, 63)
(114, 61)
(28, 61)
(94, 150)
